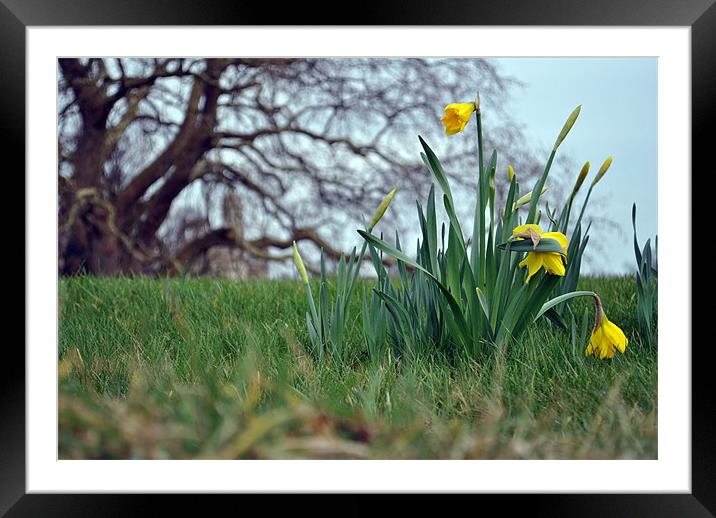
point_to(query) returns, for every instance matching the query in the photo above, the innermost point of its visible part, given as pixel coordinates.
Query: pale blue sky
(618, 118)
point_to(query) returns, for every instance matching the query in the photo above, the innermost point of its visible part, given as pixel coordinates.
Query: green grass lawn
(202, 368)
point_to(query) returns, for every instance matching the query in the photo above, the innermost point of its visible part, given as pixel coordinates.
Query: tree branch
(154, 171)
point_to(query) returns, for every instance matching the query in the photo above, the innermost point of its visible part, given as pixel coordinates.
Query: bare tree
(149, 148)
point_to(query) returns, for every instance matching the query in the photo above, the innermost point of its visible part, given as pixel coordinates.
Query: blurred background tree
(217, 165)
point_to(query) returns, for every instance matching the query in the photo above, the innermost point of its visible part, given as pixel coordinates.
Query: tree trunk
(90, 244)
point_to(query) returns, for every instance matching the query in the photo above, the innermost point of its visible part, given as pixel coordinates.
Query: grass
(202, 368)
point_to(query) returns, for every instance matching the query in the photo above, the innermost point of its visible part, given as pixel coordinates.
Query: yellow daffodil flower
(553, 262)
(606, 338)
(456, 116)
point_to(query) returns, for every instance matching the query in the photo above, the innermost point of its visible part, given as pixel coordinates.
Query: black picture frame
(17, 15)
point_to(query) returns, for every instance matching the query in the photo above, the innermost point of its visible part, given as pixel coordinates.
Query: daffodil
(381, 209)
(553, 262)
(299, 264)
(456, 116)
(606, 338)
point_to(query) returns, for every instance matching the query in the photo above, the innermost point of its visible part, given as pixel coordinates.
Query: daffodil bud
(524, 200)
(381, 209)
(580, 178)
(567, 126)
(602, 170)
(510, 173)
(299, 264)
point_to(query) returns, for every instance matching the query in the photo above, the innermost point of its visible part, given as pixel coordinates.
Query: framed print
(142, 376)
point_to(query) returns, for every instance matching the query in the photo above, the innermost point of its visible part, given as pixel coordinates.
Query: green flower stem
(584, 206)
(478, 232)
(537, 191)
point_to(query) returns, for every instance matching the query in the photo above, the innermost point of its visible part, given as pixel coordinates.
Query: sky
(618, 118)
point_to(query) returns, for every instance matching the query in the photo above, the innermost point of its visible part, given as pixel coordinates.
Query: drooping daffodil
(606, 337)
(456, 116)
(554, 263)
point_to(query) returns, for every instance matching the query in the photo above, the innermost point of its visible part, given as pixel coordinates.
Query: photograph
(357, 258)
(394, 258)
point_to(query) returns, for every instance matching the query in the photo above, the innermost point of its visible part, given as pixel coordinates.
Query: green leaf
(312, 332)
(558, 300)
(637, 253)
(507, 216)
(390, 250)
(483, 301)
(382, 245)
(454, 222)
(432, 231)
(556, 319)
(546, 244)
(536, 297)
(436, 168)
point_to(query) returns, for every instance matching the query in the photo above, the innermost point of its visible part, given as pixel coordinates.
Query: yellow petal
(559, 237)
(590, 349)
(534, 263)
(595, 342)
(606, 349)
(615, 335)
(523, 228)
(553, 263)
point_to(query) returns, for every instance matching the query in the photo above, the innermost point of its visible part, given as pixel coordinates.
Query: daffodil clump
(464, 292)
(328, 319)
(646, 285)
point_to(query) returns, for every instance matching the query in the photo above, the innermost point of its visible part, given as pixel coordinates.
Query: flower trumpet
(456, 116)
